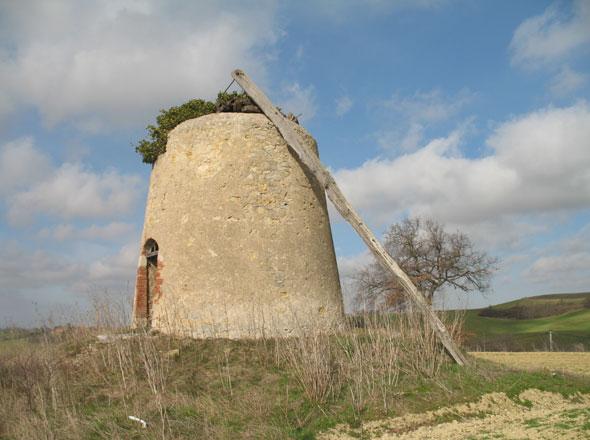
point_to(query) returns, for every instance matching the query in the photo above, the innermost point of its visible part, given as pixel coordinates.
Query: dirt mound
(534, 414)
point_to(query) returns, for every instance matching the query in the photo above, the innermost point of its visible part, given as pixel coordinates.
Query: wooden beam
(345, 209)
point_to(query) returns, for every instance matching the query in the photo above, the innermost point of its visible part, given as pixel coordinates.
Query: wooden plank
(346, 210)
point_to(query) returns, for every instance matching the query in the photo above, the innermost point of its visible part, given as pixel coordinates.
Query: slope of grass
(577, 321)
(571, 330)
(553, 298)
(538, 306)
(74, 388)
(63, 384)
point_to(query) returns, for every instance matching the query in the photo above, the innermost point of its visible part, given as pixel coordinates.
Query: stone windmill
(236, 239)
(325, 305)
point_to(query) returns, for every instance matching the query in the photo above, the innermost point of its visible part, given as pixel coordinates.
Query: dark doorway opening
(151, 254)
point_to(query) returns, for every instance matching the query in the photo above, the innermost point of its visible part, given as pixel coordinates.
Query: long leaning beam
(345, 209)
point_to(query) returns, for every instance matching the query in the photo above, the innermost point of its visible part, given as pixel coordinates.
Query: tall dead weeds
(67, 385)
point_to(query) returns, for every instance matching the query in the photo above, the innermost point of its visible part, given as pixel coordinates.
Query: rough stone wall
(244, 232)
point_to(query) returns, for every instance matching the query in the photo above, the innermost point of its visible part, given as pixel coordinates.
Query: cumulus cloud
(563, 272)
(115, 269)
(576, 243)
(551, 36)
(21, 165)
(73, 191)
(299, 100)
(562, 264)
(351, 264)
(51, 280)
(343, 105)
(348, 267)
(567, 81)
(113, 272)
(21, 270)
(429, 106)
(31, 185)
(129, 58)
(540, 164)
(418, 112)
(68, 231)
(6, 105)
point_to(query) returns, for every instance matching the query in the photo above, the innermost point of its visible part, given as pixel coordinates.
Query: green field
(569, 322)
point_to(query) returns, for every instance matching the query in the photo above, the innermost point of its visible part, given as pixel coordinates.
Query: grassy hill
(68, 386)
(525, 324)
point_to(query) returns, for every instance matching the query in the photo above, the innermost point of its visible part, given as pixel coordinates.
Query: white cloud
(430, 106)
(551, 36)
(51, 280)
(31, 185)
(67, 231)
(547, 147)
(102, 63)
(563, 272)
(115, 269)
(348, 266)
(412, 138)
(6, 105)
(418, 112)
(567, 81)
(506, 232)
(20, 269)
(562, 264)
(540, 164)
(73, 191)
(21, 164)
(576, 243)
(343, 105)
(351, 264)
(299, 100)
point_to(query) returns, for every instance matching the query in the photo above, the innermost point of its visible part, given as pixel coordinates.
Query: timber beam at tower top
(321, 173)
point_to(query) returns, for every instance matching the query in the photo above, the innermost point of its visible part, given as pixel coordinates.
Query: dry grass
(66, 385)
(366, 362)
(564, 362)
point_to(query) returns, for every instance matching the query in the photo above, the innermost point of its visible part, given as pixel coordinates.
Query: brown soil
(540, 415)
(534, 415)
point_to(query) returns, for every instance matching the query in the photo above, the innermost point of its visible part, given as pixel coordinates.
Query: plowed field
(563, 362)
(533, 415)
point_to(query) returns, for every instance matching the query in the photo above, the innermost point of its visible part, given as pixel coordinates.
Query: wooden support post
(326, 180)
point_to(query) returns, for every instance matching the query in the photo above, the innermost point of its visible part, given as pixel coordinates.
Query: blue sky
(475, 113)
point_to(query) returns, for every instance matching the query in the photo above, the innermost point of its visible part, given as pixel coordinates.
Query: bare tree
(432, 257)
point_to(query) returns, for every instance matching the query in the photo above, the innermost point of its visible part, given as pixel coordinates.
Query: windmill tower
(236, 239)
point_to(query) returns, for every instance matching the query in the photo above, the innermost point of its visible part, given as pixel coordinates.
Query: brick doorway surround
(148, 283)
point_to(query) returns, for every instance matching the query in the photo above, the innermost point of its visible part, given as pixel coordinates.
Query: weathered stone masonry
(244, 231)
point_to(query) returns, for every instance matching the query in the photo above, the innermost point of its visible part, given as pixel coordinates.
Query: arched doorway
(150, 251)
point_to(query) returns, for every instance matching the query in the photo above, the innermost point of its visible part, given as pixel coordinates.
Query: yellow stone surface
(243, 233)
